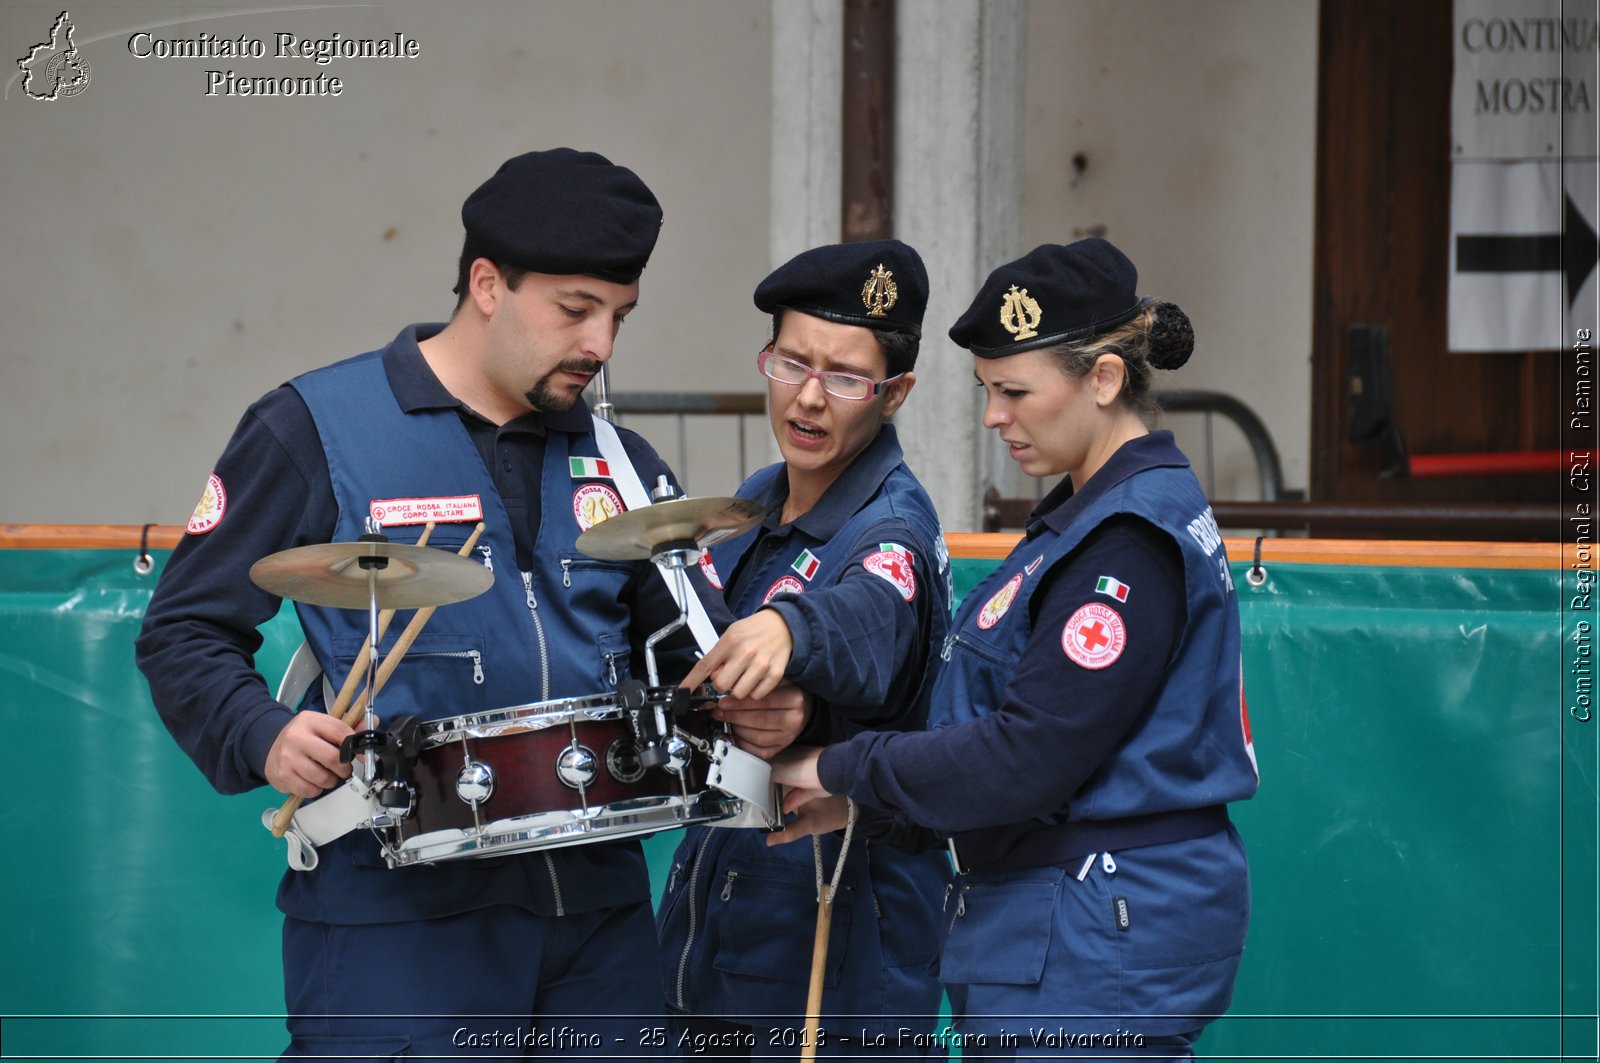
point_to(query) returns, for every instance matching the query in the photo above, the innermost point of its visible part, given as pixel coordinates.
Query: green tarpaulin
(1423, 845)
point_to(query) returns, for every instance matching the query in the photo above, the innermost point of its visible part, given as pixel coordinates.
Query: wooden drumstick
(345, 708)
(391, 661)
(358, 670)
(819, 946)
(819, 961)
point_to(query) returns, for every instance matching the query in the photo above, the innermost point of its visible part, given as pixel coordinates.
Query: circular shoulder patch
(895, 567)
(709, 570)
(1095, 636)
(593, 503)
(209, 510)
(996, 607)
(789, 584)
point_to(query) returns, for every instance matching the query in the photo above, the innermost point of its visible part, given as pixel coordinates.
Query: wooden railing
(1420, 553)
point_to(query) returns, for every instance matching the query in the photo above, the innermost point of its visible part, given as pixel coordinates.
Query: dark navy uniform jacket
(862, 580)
(305, 466)
(1091, 703)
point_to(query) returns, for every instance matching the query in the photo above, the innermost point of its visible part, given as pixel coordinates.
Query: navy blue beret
(1053, 294)
(565, 212)
(877, 285)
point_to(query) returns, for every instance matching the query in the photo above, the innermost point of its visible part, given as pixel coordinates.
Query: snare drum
(546, 775)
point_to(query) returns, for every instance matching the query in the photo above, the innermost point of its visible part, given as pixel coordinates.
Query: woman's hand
(820, 815)
(749, 659)
(767, 725)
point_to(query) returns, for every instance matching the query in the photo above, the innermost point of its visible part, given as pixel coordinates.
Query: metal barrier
(682, 405)
(1213, 404)
(1000, 512)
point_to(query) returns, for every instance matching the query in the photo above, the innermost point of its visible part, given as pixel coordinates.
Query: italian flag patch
(1112, 586)
(589, 468)
(897, 548)
(806, 564)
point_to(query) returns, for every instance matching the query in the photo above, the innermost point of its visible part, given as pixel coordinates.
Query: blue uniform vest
(1191, 750)
(1045, 939)
(738, 922)
(562, 633)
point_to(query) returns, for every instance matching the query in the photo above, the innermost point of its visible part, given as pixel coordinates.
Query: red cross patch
(894, 566)
(1095, 636)
(710, 570)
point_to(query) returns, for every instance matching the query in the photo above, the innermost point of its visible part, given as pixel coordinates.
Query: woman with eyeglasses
(1088, 726)
(843, 591)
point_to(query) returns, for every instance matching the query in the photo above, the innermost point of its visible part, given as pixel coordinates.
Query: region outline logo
(65, 73)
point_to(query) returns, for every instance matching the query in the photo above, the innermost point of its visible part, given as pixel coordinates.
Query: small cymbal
(637, 534)
(331, 574)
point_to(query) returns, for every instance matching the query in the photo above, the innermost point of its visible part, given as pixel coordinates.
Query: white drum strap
(297, 678)
(336, 813)
(634, 496)
(333, 815)
(747, 777)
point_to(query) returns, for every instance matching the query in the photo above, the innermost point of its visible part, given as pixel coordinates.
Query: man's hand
(749, 659)
(767, 725)
(304, 759)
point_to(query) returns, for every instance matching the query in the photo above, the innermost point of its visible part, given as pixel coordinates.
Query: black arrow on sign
(1573, 252)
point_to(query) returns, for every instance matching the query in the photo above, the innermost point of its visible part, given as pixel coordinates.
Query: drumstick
(819, 960)
(358, 670)
(392, 660)
(345, 708)
(819, 947)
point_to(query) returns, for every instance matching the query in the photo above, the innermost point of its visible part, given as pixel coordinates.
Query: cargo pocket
(1186, 902)
(767, 926)
(1000, 933)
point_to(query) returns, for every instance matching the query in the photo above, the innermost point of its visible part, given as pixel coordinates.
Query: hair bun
(1171, 337)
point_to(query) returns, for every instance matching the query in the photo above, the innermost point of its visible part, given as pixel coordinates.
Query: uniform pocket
(441, 675)
(767, 925)
(615, 650)
(1001, 932)
(1183, 903)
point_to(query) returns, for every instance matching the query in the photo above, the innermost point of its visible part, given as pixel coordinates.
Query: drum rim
(519, 834)
(517, 719)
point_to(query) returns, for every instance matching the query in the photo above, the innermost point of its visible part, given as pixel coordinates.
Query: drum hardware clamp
(394, 750)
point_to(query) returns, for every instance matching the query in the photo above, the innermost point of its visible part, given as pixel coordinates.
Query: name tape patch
(445, 509)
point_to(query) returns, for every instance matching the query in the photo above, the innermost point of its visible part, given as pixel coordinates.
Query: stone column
(958, 192)
(807, 90)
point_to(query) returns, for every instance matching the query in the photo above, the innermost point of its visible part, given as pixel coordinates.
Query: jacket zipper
(555, 884)
(477, 660)
(538, 630)
(694, 917)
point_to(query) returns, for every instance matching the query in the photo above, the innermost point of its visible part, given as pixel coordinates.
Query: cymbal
(637, 534)
(331, 574)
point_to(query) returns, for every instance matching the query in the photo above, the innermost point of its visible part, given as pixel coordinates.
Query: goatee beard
(545, 399)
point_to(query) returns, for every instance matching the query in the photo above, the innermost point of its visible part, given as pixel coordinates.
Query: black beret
(565, 212)
(1053, 294)
(878, 285)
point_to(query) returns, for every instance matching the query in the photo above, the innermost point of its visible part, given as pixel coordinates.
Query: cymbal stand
(372, 566)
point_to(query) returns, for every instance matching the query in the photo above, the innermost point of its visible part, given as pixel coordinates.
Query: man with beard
(480, 417)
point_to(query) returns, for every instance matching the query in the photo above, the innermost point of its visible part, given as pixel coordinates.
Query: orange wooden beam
(987, 545)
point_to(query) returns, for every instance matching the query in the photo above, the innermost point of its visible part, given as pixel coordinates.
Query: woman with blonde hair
(1088, 729)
